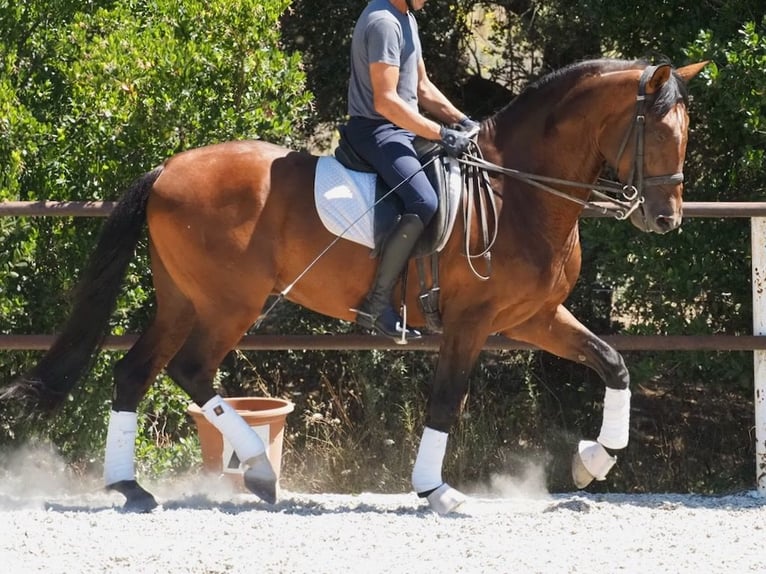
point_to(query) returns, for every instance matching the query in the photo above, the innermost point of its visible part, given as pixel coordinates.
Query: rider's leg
(376, 311)
(390, 151)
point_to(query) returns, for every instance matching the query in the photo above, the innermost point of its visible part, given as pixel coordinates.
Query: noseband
(619, 199)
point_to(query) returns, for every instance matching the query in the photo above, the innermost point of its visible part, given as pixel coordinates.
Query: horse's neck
(567, 154)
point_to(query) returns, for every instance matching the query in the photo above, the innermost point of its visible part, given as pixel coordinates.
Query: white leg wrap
(614, 428)
(120, 447)
(427, 472)
(245, 441)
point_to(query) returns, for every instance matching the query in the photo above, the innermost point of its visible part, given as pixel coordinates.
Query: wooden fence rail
(428, 343)
(353, 342)
(45, 208)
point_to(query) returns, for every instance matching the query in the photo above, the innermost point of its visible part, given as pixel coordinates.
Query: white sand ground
(51, 522)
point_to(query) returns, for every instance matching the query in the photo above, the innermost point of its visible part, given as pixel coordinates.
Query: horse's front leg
(562, 334)
(458, 352)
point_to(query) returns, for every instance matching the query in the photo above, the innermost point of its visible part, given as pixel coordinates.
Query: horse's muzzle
(661, 223)
(665, 223)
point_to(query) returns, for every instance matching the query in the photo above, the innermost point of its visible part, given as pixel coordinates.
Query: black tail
(46, 386)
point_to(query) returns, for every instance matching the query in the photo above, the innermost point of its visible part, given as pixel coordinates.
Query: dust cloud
(34, 474)
(528, 483)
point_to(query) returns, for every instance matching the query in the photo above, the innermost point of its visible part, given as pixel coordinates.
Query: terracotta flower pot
(267, 418)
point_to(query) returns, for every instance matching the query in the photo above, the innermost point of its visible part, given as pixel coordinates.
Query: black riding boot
(376, 311)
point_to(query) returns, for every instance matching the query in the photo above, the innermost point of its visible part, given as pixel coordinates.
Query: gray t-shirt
(383, 34)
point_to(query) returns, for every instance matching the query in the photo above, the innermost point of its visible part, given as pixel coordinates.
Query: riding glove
(468, 125)
(454, 141)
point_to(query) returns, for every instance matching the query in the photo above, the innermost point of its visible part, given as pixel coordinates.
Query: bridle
(621, 199)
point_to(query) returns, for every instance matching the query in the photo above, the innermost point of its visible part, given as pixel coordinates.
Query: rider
(388, 85)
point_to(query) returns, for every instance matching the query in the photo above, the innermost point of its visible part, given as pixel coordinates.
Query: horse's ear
(688, 72)
(660, 76)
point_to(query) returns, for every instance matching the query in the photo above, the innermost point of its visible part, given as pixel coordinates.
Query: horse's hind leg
(194, 368)
(563, 335)
(133, 375)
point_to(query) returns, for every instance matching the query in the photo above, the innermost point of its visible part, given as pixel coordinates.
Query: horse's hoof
(261, 480)
(590, 461)
(445, 499)
(136, 498)
(580, 474)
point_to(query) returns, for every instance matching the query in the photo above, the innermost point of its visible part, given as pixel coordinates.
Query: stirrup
(391, 324)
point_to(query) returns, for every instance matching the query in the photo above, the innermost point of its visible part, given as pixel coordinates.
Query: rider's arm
(433, 101)
(384, 78)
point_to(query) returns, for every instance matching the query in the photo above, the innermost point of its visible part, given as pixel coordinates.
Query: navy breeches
(390, 151)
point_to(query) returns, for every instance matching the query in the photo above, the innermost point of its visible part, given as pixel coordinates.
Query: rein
(622, 198)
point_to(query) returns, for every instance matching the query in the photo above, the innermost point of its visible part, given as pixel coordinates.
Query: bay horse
(232, 223)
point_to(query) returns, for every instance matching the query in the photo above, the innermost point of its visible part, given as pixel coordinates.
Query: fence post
(758, 252)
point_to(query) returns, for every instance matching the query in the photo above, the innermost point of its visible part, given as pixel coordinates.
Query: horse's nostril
(665, 223)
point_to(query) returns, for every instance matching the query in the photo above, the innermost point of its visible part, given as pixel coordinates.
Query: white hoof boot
(591, 461)
(445, 499)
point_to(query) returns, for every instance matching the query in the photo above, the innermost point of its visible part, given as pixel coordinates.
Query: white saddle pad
(344, 200)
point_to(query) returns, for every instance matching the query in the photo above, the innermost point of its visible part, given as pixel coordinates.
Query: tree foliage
(95, 93)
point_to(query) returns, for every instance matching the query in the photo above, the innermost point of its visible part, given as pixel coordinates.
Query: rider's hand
(454, 141)
(466, 124)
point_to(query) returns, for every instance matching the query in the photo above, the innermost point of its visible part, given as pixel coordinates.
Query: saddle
(438, 167)
(452, 184)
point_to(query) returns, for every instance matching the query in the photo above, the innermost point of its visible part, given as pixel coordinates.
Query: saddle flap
(445, 176)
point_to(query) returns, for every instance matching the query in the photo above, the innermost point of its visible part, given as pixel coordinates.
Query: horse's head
(648, 146)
